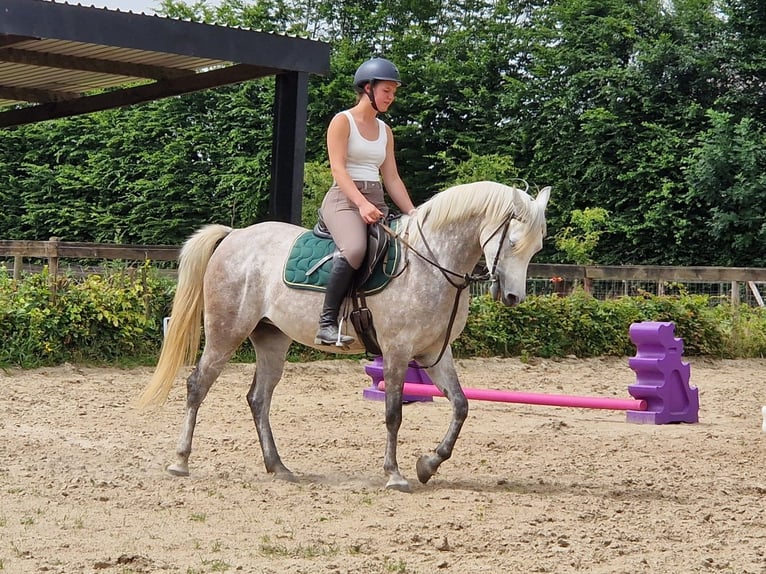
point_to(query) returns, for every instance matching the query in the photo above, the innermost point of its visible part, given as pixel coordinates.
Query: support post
(18, 262)
(289, 147)
(662, 378)
(52, 254)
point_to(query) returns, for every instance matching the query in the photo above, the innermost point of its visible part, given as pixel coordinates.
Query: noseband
(505, 225)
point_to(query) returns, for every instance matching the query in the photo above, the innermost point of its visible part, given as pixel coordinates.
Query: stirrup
(332, 336)
(342, 339)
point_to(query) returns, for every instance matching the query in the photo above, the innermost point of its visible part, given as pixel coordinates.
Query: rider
(361, 151)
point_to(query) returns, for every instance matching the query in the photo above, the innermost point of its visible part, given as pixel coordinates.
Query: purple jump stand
(662, 378)
(413, 375)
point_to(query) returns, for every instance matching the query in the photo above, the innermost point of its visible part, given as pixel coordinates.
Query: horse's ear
(544, 196)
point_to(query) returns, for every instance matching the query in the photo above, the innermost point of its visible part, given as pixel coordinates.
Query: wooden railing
(658, 274)
(53, 250)
(649, 273)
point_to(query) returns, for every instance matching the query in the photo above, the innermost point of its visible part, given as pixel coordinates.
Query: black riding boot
(337, 288)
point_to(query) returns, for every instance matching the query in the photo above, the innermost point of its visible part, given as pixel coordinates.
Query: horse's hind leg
(271, 346)
(445, 378)
(197, 386)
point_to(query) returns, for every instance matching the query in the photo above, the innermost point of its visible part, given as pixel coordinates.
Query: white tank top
(364, 157)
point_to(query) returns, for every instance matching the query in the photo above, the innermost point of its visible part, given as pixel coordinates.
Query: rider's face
(385, 93)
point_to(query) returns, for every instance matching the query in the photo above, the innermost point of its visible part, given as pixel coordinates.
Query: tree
(616, 92)
(649, 109)
(727, 177)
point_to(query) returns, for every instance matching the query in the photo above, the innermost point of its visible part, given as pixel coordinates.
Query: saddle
(310, 261)
(377, 248)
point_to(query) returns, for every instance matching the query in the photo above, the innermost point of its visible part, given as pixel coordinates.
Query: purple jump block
(414, 374)
(662, 378)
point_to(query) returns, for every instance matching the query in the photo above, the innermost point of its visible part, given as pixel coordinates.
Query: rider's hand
(370, 213)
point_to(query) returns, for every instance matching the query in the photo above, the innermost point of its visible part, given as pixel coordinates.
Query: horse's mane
(494, 201)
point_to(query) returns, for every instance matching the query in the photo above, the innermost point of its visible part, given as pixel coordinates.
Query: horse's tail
(181, 342)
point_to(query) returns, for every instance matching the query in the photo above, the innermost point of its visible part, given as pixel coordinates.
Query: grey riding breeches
(348, 229)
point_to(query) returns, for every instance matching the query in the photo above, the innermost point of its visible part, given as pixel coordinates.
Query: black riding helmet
(375, 70)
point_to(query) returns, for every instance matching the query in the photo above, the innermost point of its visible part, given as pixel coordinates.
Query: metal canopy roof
(56, 55)
(59, 60)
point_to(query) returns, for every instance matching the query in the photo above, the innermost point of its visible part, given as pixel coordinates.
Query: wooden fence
(53, 250)
(560, 276)
(735, 278)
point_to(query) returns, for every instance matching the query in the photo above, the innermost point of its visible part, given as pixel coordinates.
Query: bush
(116, 318)
(101, 318)
(579, 325)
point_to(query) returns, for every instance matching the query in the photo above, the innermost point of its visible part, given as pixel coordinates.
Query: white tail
(181, 342)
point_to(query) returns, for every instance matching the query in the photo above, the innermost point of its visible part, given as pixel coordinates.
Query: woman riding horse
(361, 150)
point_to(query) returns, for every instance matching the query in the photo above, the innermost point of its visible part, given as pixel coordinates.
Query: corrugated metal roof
(60, 83)
(53, 54)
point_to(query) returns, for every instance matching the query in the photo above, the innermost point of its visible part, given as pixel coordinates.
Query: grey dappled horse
(235, 276)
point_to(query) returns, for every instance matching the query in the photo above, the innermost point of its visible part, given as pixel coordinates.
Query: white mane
(491, 200)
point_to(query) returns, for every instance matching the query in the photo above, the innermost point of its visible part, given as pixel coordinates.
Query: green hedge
(579, 325)
(110, 318)
(116, 318)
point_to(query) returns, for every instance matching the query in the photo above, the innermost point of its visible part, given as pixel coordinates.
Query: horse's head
(510, 245)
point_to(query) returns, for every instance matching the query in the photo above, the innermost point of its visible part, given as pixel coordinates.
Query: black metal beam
(135, 95)
(10, 40)
(289, 147)
(44, 19)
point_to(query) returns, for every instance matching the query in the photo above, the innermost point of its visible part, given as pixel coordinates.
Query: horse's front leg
(445, 378)
(393, 375)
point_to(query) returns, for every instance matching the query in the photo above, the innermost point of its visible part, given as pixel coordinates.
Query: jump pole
(419, 387)
(662, 393)
(583, 402)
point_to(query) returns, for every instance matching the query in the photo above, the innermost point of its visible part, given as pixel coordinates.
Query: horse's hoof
(398, 484)
(426, 468)
(178, 470)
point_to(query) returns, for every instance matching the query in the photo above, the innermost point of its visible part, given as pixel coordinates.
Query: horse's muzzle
(510, 300)
(506, 298)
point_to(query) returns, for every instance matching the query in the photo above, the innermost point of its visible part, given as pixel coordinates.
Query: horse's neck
(455, 245)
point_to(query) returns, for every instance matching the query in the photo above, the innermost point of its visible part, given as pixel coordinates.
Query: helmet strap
(371, 95)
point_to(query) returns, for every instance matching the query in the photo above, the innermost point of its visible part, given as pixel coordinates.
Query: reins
(448, 274)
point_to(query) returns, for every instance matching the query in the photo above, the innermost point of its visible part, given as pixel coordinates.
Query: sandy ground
(83, 484)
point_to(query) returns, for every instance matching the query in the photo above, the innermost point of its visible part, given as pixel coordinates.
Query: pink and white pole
(662, 393)
(610, 403)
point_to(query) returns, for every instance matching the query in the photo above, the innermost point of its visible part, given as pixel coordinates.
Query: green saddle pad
(302, 272)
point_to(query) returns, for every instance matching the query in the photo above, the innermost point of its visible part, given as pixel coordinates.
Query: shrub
(580, 325)
(116, 317)
(101, 318)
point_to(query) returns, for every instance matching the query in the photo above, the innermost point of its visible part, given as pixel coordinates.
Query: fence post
(587, 281)
(734, 293)
(18, 261)
(52, 253)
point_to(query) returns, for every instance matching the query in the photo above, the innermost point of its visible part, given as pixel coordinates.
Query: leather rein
(465, 279)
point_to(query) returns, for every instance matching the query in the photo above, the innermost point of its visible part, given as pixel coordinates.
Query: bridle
(466, 279)
(505, 225)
